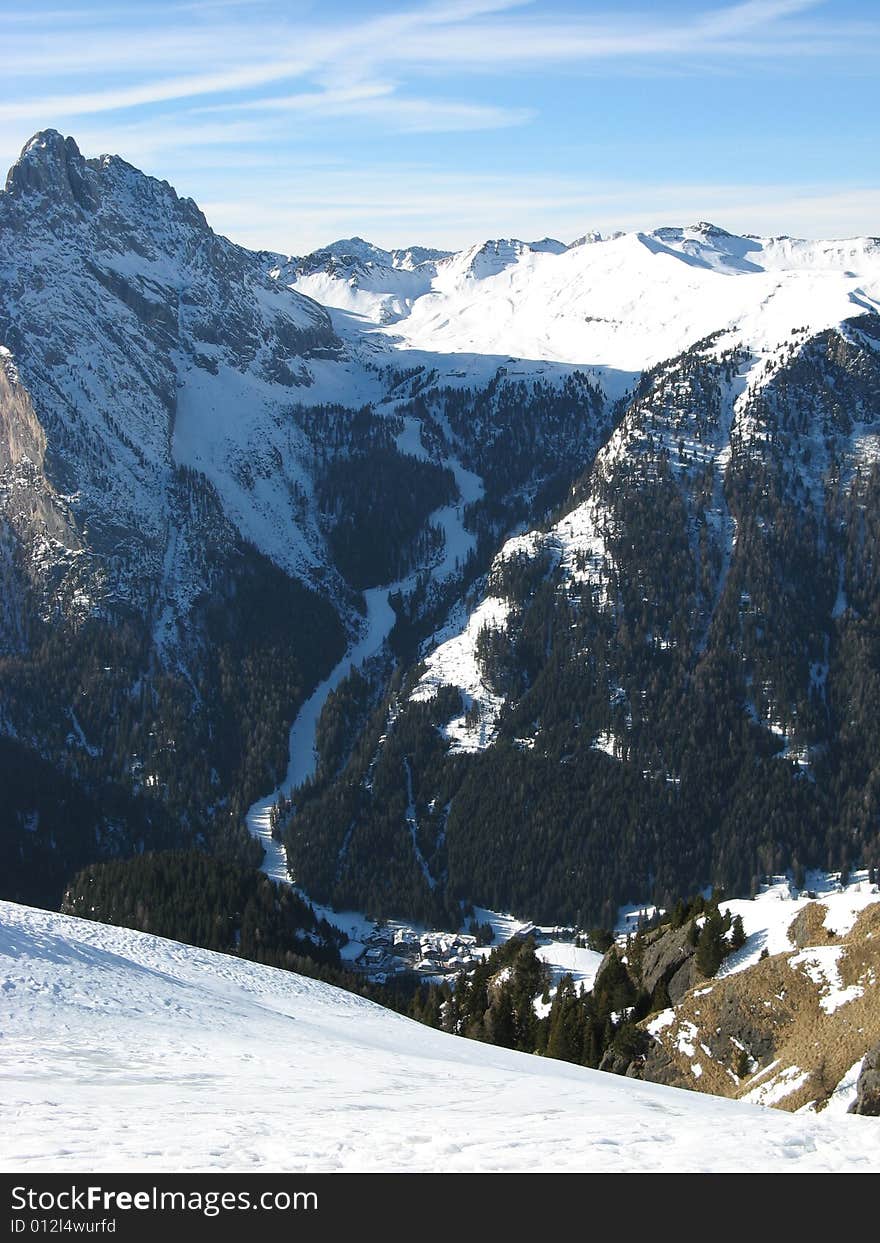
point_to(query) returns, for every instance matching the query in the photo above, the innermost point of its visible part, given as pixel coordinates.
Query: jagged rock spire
(52, 164)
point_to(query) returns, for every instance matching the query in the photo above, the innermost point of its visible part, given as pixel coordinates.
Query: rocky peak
(51, 164)
(137, 343)
(709, 230)
(51, 174)
(548, 246)
(409, 257)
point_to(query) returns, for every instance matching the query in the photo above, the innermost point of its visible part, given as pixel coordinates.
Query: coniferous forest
(725, 650)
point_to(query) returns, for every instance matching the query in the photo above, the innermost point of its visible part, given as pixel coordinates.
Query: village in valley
(393, 949)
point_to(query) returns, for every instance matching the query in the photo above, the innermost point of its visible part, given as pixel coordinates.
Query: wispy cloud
(161, 91)
(471, 36)
(300, 53)
(381, 102)
(747, 31)
(195, 91)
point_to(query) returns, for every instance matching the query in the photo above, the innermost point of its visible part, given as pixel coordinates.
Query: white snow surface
(820, 964)
(455, 663)
(621, 304)
(843, 1095)
(566, 958)
(123, 1051)
(778, 1087)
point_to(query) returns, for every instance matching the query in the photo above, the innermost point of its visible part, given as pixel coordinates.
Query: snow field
(123, 1051)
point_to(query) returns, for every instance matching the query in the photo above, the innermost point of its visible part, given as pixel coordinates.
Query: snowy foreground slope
(122, 1051)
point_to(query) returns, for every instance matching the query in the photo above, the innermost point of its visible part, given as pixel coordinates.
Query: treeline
(268, 642)
(52, 824)
(349, 842)
(191, 897)
(513, 432)
(373, 500)
(376, 505)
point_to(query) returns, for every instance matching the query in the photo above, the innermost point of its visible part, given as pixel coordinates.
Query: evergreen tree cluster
(376, 505)
(516, 432)
(191, 897)
(146, 755)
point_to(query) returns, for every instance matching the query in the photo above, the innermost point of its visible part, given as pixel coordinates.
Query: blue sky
(292, 123)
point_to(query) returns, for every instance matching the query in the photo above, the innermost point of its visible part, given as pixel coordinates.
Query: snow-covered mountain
(191, 456)
(672, 679)
(123, 1051)
(155, 481)
(355, 275)
(623, 303)
(150, 345)
(600, 521)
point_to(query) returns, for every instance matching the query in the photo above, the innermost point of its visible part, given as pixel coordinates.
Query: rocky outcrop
(783, 1030)
(669, 958)
(51, 164)
(40, 563)
(29, 499)
(867, 1100)
(658, 1067)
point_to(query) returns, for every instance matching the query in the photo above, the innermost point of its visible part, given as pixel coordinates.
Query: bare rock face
(867, 1100)
(669, 958)
(658, 1067)
(51, 164)
(40, 561)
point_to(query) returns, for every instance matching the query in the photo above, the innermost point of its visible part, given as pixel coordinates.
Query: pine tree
(499, 1021)
(710, 944)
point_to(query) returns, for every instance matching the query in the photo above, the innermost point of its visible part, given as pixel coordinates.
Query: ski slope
(122, 1051)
